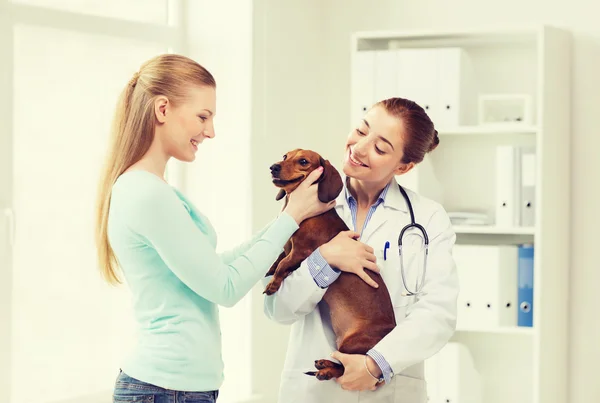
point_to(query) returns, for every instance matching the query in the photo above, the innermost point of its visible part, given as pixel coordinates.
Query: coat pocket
(410, 390)
(401, 304)
(294, 386)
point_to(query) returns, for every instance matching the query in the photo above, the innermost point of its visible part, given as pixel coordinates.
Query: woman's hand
(355, 375)
(347, 254)
(304, 202)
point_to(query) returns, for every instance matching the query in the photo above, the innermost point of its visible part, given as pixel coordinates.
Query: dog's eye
(284, 157)
(303, 161)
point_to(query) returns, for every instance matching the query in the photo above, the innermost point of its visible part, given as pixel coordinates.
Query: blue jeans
(130, 390)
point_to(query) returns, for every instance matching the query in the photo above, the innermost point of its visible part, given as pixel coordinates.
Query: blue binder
(525, 285)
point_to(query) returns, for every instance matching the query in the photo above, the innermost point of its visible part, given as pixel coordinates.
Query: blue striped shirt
(324, 274)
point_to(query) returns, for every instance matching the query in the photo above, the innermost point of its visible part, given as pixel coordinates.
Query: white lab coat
(424, 323)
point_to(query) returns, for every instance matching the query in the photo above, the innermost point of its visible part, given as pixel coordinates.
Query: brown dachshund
(360, 314)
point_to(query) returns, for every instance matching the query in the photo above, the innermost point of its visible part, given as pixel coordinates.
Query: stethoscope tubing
(413, 224)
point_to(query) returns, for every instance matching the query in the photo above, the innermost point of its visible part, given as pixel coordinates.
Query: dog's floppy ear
(330, 182)
(280, 195)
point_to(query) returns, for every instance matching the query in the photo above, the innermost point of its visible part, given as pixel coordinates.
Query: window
(63, 64)
(64, 90)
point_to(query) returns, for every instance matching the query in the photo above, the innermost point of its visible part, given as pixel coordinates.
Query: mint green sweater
(166, 250)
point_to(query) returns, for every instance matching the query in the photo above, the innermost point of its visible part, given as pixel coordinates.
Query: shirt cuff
(386, 370)
(322, 273)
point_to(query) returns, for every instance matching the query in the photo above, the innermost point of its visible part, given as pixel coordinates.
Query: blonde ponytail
(133, 131)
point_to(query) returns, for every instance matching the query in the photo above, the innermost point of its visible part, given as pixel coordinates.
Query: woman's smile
(355, 161)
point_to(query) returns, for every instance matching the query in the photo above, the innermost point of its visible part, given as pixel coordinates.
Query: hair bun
(435, 142)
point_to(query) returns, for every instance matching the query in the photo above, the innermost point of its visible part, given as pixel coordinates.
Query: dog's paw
(326, 370)
(320, 364)
(326, 374)
(272, 288)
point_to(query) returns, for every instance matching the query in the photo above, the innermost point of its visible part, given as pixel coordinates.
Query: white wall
(219, 180)
(288, 112)
(68, 329)
(318, 37)
(5, 203)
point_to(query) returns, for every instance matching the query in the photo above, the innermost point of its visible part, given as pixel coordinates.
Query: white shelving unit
(514, 330)
(516, 364)
(491, 230)
(488, 130)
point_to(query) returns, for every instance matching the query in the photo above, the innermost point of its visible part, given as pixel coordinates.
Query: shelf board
(488, 130)
(477, 32)
(475, 37)
(515, 330)
(490, 229)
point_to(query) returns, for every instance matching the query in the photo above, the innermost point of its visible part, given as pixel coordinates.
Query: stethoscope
(419, 285)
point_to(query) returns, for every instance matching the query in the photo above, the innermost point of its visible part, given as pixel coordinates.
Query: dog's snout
(275, 168)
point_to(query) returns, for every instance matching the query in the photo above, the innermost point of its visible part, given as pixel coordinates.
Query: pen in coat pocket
(385, 248)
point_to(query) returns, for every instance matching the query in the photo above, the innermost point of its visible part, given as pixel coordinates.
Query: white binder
(417, 78)
(438, 79)
(500, 291)
(528, 180)
(507, 186)
(470, 275)
(488, 282)
(363, 84)
(451, 376)
(456, 89)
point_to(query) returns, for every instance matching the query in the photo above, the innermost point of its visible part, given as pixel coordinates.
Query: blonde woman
(151, 235)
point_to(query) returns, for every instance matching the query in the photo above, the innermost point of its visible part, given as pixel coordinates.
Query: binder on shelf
(507, 186)
(488, 282)
(469, 277)
(528, 180)
(500, 293)
(417, 78)
(456, 99)
(438, 79)
(451, 376)
(525, 290)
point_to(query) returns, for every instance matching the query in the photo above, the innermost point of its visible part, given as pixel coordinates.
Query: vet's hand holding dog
(362, 324)
(346, 254)
(356, 376)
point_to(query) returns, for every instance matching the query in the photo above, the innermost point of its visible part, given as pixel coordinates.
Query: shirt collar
(390, 196)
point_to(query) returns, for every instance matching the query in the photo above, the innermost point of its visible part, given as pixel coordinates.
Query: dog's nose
(275, 168)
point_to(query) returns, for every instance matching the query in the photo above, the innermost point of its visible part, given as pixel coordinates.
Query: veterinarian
(393, 137)
(165, 247)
